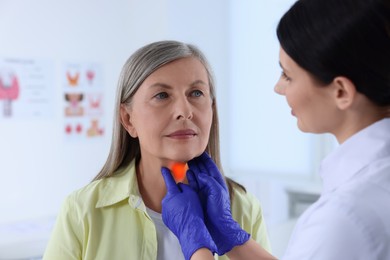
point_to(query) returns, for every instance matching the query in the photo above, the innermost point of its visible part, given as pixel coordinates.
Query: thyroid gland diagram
(74, 107)
(9, 91)
(90, 74)
(73, 78)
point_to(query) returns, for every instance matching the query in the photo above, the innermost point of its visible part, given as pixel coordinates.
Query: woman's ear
(125, 116)
(344, 92)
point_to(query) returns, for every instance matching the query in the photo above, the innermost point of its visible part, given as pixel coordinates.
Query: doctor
(335, 60)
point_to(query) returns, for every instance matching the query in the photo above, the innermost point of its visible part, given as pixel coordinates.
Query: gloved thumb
(211, 168)
(169, 181)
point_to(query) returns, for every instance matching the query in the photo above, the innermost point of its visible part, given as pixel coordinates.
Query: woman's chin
(185, 157)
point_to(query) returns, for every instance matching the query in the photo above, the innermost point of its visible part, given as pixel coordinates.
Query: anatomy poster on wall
(83, 101)
(26, 89)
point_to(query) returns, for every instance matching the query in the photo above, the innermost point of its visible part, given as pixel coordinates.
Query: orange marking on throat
(179, 170)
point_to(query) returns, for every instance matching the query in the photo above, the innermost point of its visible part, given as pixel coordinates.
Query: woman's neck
(151, 183)
(359, 118)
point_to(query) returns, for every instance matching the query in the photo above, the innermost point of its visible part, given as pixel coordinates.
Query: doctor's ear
(126, 120)
(344, 92)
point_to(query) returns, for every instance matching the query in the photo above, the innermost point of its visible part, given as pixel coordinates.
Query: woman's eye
(284, 76)
(197, 93)
(161, 95)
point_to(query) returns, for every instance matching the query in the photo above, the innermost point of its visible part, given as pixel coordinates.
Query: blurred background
(59, 65)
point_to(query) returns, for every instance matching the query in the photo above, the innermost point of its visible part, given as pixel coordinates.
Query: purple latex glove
(205, 177)
(182, 213)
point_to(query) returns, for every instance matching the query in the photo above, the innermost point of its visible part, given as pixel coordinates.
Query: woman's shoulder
(242, 195)
(106, 191)
(87, 196)
(245, 203)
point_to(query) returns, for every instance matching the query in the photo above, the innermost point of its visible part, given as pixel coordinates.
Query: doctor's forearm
(249, 250)
(202, 254)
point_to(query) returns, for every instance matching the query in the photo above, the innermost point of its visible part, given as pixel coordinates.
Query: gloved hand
(203, 175)
(182, 213)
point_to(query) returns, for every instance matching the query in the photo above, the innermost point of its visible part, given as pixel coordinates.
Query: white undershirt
(168, 246)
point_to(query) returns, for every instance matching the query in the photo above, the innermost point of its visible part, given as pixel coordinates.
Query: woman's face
(310, 102)
(171, 112)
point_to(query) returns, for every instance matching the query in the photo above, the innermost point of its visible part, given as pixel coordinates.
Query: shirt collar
(370, 144)
(119, 187)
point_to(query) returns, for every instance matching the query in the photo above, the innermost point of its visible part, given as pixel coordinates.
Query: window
(264, 138)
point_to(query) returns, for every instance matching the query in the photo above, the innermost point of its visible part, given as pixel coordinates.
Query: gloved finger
(204, 164)
(201, 165)
(192, 181)
(210, 187)
(193, 165)
(207, 165)
(169, 181)
(210, 184)
(185, 187)
(194, 177)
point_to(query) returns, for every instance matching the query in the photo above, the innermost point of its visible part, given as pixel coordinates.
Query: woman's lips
(182, 134)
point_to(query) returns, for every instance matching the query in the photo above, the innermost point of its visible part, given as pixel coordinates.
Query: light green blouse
(107, 219)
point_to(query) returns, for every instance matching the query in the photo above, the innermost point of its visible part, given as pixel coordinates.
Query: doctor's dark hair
(350, 38)
(142, 63)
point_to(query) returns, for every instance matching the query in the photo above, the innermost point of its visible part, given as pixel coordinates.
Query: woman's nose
(279, 89)
(183, 109)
